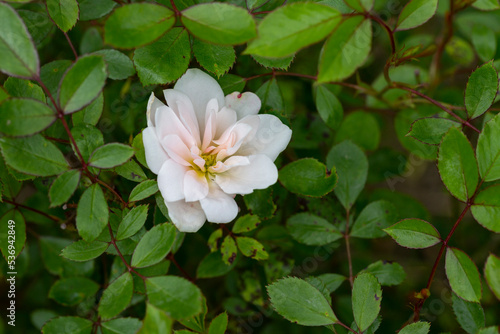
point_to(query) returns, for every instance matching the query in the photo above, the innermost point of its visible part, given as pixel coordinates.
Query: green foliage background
(396, 141)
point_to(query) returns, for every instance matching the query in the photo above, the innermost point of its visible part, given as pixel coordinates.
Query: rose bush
(206, 149)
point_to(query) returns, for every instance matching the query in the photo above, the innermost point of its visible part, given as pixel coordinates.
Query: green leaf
(18, 56)
(137, 24)
(33, 155)
(463, 275)
(68, 325)
(292, 27)
(312, 230)
(360, 5)
(63, 187)
(213, 266)
(486, 208)
(218, 324)
(24, 88)
(489, 330)
(143, 190)
(299, 302)
(219, 23)
(332, 281)
(72, 291)
(260, 203)
(52, 73)
(138, 146)
(90, 114)
(154, 245)
(131, 171)
(416, 328)
(368, 139)
(345, 50)
(492, 274)
(486, 4)
(95, 9)
(403, 122)
(488, 150)
(175, 296)
(414, 233)
(50, 250)
(270, 95)
(228, 250)
(373, 219)
(88, 138)
(132, 222)
(118, 64)
(351, 165)
(117, 296)
(484, 41)
(91, 41)
(38, 23)
(308, 177)
(431, 130)
(111, 155)
(165, 60)
(82, 250)
(387, 273)
(92, 213)
(231, 83)
(12, 234)
(155, 321)
(457, 165)
(246, 223)
(366, 298)
(416, 13)
(217, 59)
(82, 83)
(214, 239)
(481, 90)
(22, 117)
(329, 107)
(278, 63)
(121, 326)
(469, 315)
(63, 12)
(251, 248)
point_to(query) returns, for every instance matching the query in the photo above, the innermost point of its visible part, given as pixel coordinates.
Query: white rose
(206, 149)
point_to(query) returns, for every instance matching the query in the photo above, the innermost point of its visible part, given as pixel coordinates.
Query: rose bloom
(207, 148)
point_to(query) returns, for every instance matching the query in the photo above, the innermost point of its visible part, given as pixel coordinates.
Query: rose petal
(153, 104)
(259, 174)
(219, 207)
(271, 139)
(226, 118)
(155, 154)
(244, 104)
(167, 123)
(230, 162)
(177, 150)
(183, 108)
(195, 186)
(171, 180)
(187, 217)
(200, 88)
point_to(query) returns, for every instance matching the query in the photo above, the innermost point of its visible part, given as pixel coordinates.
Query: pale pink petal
(219, 207)
(177, 150)
(200, 88)
(230, 162)
(171, 180)
(187, 217)
(169, 124)
(155, 154)
(244, 104)
(153, 104)
(210, 127)
(195, 186)
(271, 139)
(226, 118)
(183, 108)
(259, 174)
(233, 138)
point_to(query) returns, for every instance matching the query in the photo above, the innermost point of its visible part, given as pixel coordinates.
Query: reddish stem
(384, 25)
(129, 267)
(54, 218)
(71, 45)
(348, 247)
(171, 257)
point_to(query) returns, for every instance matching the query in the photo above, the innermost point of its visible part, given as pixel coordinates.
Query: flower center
(210, 160)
